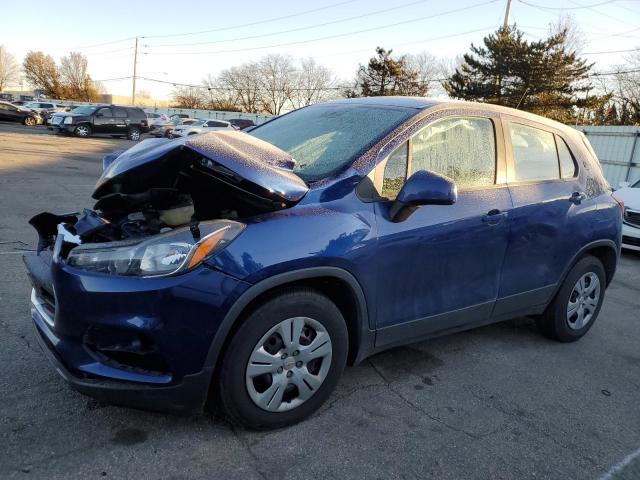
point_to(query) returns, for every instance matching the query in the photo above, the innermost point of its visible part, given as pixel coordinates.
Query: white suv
(630, 195)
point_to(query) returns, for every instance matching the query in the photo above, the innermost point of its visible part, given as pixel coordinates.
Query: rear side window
(461, 148)
(213, 123)
(534, 153)
(567, 163)
(119, 112)
(395, 172)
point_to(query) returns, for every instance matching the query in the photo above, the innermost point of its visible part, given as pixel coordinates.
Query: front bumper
(630, 237)
(178, 315)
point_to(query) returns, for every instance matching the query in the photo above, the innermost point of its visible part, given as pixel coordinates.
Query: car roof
(423, 103)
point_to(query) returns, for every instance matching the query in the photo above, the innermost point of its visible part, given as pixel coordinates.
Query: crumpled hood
(254, 160)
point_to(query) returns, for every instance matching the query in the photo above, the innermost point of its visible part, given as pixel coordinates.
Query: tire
(191, 133)
(558, 322)
(167, 133)
(30, 121)
(239, 388)
(134, 134)
(83, 131)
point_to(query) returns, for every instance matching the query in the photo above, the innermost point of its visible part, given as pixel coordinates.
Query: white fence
(215, 114)
(618, 149)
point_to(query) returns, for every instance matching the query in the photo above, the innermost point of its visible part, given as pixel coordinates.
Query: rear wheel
(577, 303)
(284, 361)
(83, 131)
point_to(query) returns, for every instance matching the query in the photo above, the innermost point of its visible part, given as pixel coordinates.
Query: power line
(613, 51)
(251, 24)
(299, 29)
(102, 44)
(299, 42)
(566, 8)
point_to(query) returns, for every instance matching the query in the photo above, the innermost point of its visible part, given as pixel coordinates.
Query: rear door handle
(494, 217)
(577, 197)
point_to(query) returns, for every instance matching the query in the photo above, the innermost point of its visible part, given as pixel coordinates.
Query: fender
(365, 342)
(598, 243)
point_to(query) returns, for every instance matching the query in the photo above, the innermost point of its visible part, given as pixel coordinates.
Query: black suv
(102, 119)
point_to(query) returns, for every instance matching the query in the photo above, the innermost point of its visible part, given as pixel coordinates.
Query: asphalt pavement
(498, 402)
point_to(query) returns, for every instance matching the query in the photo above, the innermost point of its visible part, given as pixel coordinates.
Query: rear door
(548, 202)
(439, 269)
(120, 120)
(103, 120)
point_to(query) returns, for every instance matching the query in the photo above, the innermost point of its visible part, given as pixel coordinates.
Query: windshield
(84, 110)
(324, 139)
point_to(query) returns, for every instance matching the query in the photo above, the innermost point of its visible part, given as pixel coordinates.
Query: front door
(103, 120)
(439, 269)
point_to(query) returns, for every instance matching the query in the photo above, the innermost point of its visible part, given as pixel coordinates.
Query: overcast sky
(169, 50)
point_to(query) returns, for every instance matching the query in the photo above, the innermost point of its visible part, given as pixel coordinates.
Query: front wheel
(577, 304)
(284, 361)
(134, 134)
(30, 121)
(83, 131)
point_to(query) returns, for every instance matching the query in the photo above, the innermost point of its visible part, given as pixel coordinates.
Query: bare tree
(277, 82)
(9, 69)
(41, 72)
(313, 83)
(188, 97)
(75, 77)
(243, 82)
(428, 69)
(220, 97)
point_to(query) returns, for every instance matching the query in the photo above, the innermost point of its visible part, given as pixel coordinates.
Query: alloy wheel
(134, 135)
(583, 301)
(288, 365)
(82, 131)
(30, 121)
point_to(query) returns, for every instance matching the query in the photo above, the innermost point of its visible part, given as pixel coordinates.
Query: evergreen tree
(545, 77)
(385, 75)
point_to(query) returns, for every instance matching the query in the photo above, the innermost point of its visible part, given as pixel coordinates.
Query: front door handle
(494, 217)
(577, 197)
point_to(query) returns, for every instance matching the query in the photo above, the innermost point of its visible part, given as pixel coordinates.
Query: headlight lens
(165, 254)
(68, 120)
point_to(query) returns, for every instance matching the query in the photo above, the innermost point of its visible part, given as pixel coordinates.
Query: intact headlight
(165, 254)
(68, 120)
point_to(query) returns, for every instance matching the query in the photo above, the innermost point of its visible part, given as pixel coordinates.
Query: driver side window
(105, 112)
(461, 148)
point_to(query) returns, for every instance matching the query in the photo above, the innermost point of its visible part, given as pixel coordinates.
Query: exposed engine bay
(160, 184)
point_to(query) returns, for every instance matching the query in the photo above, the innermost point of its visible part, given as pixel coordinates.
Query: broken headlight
(168, 253)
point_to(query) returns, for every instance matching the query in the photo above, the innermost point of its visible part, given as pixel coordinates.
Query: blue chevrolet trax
(244, 271)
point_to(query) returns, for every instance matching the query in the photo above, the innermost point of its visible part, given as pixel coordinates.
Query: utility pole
(505, 24)
(135, 66)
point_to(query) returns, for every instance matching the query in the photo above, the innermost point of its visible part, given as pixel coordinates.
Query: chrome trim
(38, 304)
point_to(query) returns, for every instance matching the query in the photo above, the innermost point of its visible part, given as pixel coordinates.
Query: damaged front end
(117, 293)
(164, 206)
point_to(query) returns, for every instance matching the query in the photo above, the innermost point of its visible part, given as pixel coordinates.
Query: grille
(632, 217)
(631, 241)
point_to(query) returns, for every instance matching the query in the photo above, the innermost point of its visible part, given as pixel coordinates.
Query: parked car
(20, 103)
(114, 120)
(157, 119)
(46, 109)
(241, 123)
(629, 195)
(218, 263)
(14, 113)
(201, 126)
(165, 130)
(180, 116)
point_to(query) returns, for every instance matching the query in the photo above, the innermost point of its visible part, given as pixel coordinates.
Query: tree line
(546, 77)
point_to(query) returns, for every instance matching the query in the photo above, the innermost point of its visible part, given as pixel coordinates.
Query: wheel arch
(337, 284)
(604, 250)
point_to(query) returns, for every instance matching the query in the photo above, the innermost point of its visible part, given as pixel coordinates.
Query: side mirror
(423, 188)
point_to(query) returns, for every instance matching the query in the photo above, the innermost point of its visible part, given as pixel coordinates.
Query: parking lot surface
(497, 402)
